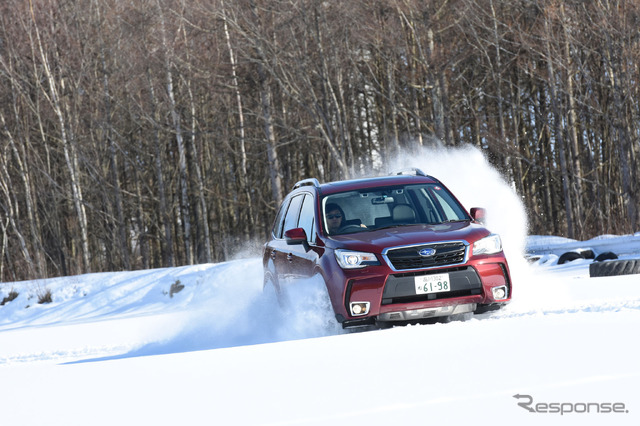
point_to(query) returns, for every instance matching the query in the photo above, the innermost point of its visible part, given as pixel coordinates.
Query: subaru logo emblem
(425, 252)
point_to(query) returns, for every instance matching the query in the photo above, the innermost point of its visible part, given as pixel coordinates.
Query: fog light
(359, 308)
(499, 293)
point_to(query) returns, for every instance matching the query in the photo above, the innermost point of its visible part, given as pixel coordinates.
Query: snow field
(119, 348)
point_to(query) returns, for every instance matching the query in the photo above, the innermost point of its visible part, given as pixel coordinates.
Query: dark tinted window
(307, 216)
(277, 225)
(291, 218)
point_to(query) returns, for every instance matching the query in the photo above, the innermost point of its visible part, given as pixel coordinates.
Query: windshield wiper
(397, 225)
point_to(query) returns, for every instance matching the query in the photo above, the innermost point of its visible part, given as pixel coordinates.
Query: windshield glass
(375, 208)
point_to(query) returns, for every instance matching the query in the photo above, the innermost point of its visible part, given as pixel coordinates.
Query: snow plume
(476, 183)
(228, 308)
(467, 172)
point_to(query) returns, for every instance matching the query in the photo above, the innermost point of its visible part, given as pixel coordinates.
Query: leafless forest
(151, 133)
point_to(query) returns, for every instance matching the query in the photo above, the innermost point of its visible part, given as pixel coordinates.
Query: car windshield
(390, 206)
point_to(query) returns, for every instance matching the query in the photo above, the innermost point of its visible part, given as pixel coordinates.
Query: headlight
(355, 259)
(488, 245)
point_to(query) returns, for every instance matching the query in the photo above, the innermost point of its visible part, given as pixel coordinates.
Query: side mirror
(295, 236)
(479, 214)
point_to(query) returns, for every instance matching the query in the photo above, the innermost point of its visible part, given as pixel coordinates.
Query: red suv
(390, 249)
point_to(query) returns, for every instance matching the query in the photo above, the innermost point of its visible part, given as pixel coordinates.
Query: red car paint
(396, 220)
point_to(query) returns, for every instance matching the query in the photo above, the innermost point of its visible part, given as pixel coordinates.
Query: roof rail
(307, 182)
(409, 171)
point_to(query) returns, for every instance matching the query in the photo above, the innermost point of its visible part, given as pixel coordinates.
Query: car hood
(378, 240)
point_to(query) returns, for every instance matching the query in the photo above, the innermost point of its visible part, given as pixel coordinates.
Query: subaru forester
(391, 249)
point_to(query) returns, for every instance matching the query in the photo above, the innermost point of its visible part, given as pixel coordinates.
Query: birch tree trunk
(621, 138)
(22, 162)
(333, 106)
(177, 127)
(164, 213)
(572, 124)
(10, 212)
(195, 163)
(267, 120)
(120, 226)
(3, 248)
(70, 155)
(241, 127)
(436, 93)
(558, 133)
(25, 177)
(272, 152)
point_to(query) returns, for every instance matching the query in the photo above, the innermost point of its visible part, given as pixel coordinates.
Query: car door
(280, 251)
(302, 257)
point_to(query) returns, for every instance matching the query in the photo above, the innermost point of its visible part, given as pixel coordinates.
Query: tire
(607, 255)
(588, 254)
(569, 257)
(614, 268)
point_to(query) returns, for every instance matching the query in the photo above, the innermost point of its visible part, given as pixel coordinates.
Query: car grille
(449, 253)
(435, 296)
(400, 288)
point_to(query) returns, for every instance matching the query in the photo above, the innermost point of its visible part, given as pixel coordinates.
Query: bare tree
(185, 217)
(165, 132)
(70, 152)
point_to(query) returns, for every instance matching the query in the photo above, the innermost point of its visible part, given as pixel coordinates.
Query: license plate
(436, 283)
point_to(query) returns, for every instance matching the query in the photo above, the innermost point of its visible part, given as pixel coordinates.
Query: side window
(277, 225)
(291, 218)
(307, 216)
(450, 208)
(427, 207)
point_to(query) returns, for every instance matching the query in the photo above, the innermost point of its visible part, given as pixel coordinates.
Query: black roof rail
(409, 171)
(307, 182)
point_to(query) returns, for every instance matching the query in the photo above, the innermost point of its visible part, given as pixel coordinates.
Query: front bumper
(425, 313)
(393, 297)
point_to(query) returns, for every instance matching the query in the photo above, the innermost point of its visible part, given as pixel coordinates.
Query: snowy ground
(116, 348)
(123, 349)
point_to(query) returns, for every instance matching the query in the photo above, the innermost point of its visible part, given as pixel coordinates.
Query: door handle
(273, 255)
(290, 257)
